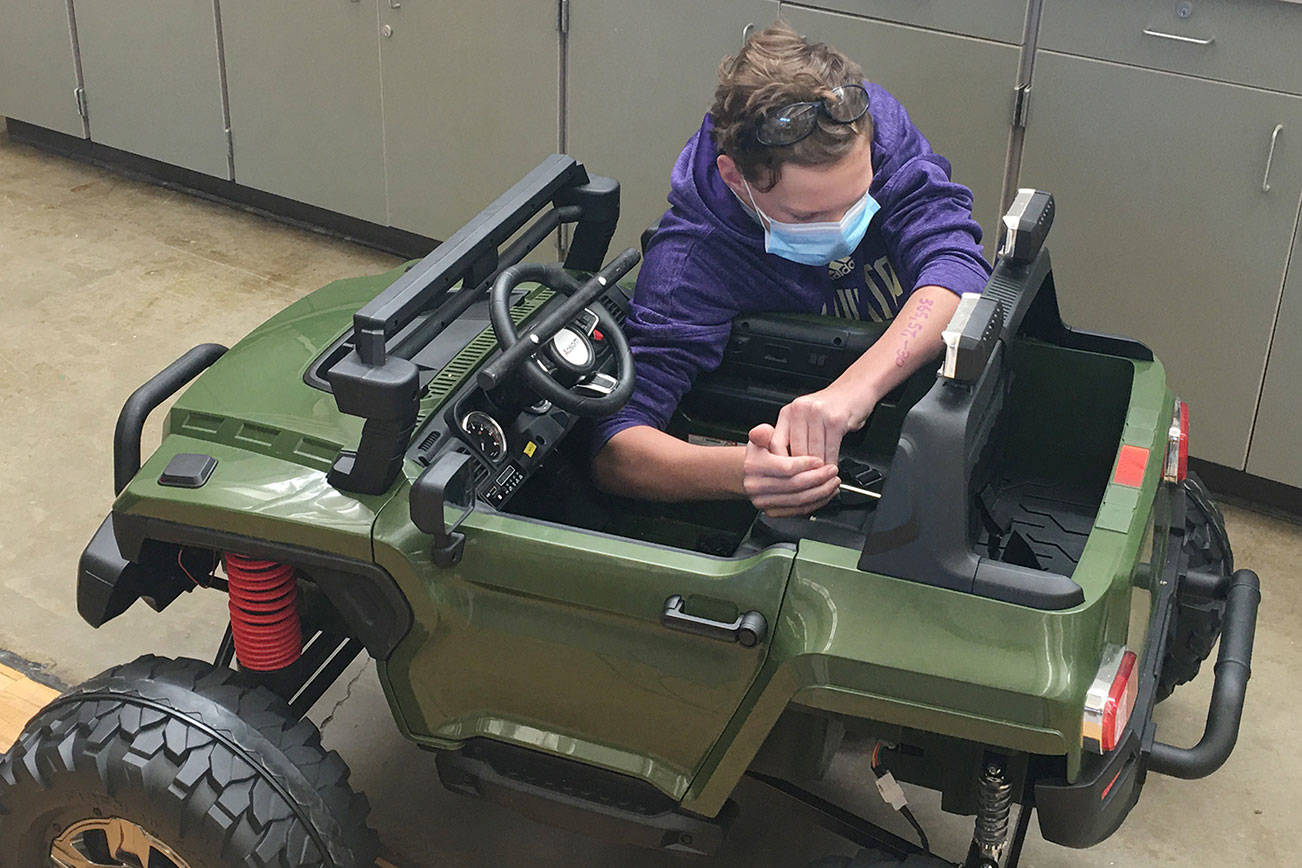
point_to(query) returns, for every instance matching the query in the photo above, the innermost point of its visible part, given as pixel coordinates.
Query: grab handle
(749, 629)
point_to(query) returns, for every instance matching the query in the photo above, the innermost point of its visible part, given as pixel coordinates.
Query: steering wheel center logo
(572, 348)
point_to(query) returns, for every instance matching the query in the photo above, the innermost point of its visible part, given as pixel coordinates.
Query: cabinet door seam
(1270, 343)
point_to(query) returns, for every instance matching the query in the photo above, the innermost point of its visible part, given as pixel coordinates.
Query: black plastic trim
(365, 595)
(398, 242)
(940, 443)
(143, 401)
(1083, 813)
(107, 583)
(187, 470)
(586, 799)
(1242, 487)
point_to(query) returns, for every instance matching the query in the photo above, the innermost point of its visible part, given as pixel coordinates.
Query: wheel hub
(111, 843)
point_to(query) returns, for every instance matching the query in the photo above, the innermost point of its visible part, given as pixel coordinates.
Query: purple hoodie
(707, 263)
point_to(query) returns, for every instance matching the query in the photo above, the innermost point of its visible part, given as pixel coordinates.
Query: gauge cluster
(484, 433)
(511, 447)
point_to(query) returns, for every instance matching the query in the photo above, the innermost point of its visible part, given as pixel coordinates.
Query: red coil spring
(264, 613)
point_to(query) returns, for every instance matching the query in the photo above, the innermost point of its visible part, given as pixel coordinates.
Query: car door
(555, 638)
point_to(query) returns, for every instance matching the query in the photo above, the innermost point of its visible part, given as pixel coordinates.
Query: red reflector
(1121, 701)
(1108, 788)
(1184, 442)
(1130, 466)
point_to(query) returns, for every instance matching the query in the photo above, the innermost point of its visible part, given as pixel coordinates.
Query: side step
(584, 799)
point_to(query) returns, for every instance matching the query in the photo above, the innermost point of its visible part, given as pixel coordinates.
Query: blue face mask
(817, 243)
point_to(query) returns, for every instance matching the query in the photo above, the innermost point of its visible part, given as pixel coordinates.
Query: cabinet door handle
(1192, 40)
(1270, 156)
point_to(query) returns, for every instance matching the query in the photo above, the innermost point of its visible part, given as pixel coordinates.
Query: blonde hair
(775, 68)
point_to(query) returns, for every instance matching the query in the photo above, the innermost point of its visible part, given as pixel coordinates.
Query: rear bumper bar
(1083, 813)
(1233, 668)
(1088, 810)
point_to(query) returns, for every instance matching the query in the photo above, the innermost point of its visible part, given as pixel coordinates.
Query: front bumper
(1088, 810)
(108, 583)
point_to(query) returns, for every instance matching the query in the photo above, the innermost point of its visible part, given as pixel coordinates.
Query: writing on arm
(913, 327)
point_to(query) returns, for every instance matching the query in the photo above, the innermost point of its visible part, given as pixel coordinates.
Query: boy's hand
(814, 424)
(783, 485)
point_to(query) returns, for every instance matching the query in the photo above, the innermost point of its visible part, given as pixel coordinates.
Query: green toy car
(1017, 571)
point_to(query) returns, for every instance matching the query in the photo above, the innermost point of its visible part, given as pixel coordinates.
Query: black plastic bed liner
(1037, 524)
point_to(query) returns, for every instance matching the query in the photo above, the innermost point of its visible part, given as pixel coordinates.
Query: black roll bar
(374, 382)
(160, 387)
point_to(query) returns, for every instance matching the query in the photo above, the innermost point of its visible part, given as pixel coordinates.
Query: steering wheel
(564, 367)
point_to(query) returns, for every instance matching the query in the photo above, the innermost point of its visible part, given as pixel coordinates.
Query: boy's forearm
(911, 341)
(647, 463)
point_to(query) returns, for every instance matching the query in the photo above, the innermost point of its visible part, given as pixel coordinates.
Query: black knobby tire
(202, 759)
(1197, 621)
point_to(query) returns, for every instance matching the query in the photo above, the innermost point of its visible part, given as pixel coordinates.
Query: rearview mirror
(449, 482)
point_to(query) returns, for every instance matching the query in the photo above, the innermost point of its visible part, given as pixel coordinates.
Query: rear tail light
(1110, 700)
(1176, 466)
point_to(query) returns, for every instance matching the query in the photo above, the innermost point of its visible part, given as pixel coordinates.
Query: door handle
(1270, 156)
(1191, 40)
(749, 629)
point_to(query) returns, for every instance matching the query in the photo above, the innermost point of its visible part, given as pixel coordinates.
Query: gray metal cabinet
(1164, 231)
(1254, 42)
(1276, 451)
(471, 103)
(303, 82)
(633, 101)
(38, 71)
(1001, 20)
(956, 89)
(153, 80)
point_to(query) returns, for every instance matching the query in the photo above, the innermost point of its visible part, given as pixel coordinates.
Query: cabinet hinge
(80, 94)
(1021, 105)
(563, 16)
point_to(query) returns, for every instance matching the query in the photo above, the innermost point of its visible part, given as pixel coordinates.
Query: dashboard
(510, 431)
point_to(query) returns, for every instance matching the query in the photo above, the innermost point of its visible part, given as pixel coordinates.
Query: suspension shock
(264, 613)
(994, 800)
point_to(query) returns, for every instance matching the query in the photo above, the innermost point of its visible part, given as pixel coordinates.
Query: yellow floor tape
(20, 699)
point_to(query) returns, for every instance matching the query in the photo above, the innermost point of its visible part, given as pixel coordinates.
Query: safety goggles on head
(793, 122)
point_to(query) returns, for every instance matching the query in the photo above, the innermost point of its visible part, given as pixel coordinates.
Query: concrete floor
(104, 280)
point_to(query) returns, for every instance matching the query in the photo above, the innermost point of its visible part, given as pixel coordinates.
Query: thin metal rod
(839, 821)
(226, 650)
(326, 676)
(1019, 836)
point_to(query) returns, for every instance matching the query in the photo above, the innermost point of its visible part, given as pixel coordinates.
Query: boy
(805, 190)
